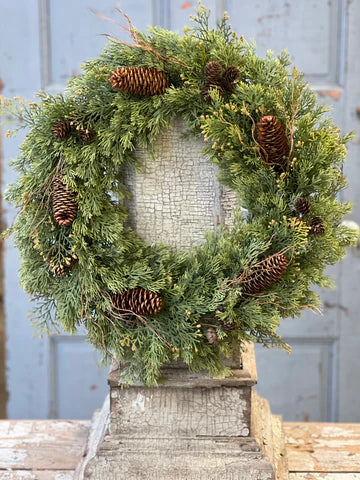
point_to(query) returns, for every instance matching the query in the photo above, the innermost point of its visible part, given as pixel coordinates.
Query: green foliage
(200, 287)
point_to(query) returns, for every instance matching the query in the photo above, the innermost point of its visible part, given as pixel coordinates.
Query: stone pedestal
(190, 427)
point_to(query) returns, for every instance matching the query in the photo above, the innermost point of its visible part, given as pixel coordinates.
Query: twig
(131, 30)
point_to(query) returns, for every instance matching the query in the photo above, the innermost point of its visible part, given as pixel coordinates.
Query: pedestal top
(177, 374)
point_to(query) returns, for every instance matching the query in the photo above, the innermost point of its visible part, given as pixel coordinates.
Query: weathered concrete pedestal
(190, 427)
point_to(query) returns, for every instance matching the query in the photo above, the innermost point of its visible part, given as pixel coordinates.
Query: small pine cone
(231, 76)
(85, 135)
(302, 205)
(213, 72)
(317, 227)
(205, 92)
(227, 327)
(211, 335)
(272, 140)
(61, 130)
(63, 202)
(139, 80)
(64, 267)
(137, 301)
(265, 273)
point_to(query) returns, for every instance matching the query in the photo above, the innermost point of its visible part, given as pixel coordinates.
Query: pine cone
(265, 273)
(231, 76)
(63, 202)
(227, 327)
(137, 301)
(139, 80)
(211, 335)
(317, 226)
(85, 135)
(302, 205)
(62, 268)
(205, 92)
(272, 140)
(213, 72)
(61, 130)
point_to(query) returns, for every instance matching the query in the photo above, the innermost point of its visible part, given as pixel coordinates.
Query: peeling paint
(139, 402)
(335, 94)
(10, 456)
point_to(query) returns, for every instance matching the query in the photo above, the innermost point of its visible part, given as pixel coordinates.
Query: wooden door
(317, 382)
(42, 43)
(60, 376)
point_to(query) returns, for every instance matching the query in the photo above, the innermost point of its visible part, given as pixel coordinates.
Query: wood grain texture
(41, 444)
(324, 476)
(323, 447)
(333, 446)
(37, 475)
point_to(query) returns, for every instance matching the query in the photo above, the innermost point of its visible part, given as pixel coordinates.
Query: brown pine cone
(85, 135)
(230, 77)
(227, 327)
(302, 205)
(63, 202)
(205, 92)
(64, 267)
(61, 130)
(317, 226)
(213, 72)
(137, 301)
(211, 335)
(139, 80)
(274, 146)
(264, 274)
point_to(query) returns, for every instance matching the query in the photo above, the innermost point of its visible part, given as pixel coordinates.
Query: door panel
(312, 31)
(78, 386)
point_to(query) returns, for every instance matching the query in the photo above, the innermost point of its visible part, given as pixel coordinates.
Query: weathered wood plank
(323, 447)
(50, 450)
(42, 444)
(324, 476)
(37, 475)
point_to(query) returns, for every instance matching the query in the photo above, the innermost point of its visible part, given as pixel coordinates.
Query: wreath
(145, 305)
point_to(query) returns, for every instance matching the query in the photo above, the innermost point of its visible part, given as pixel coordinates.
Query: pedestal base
(191, 427)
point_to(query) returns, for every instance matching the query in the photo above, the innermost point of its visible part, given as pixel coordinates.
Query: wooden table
(51, 449)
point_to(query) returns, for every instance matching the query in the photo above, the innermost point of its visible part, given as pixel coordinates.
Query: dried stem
(139, 43)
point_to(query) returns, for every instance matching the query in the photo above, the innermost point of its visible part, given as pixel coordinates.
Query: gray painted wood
(52, 39)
